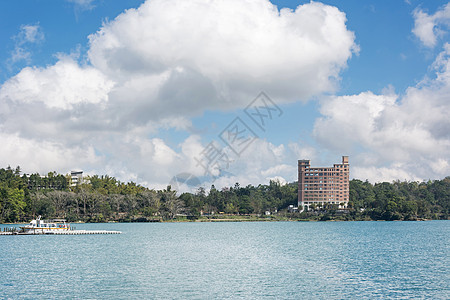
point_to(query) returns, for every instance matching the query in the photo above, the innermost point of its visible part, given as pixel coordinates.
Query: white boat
(56, 226)
(39, 226)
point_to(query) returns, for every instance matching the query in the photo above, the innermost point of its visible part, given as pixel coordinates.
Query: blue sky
(138, 90)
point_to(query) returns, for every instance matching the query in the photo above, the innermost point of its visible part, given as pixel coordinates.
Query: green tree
(13, 204)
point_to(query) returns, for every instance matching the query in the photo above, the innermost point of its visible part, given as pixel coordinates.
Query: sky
(204, 92)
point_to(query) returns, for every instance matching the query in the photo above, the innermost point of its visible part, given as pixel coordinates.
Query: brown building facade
(320, 186)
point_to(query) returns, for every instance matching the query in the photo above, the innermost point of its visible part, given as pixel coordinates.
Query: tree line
(104, 198)
(400, 200)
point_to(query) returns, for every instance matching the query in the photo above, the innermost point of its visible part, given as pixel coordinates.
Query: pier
(77, 232)
(11, 231)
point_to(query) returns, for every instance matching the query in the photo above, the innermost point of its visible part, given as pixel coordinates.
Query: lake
(251, 260)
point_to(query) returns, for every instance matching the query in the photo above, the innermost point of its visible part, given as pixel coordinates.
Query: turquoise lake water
(254, 260)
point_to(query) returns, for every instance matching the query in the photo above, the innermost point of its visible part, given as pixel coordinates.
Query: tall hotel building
(320, 186)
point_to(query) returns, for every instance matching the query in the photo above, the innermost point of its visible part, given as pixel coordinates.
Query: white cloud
(429, 27)
(382, 174)
(193, 56)
(396, 137)
(153, 162)
(278, 169)
(62, 85)
(20, 54)
(279, 180)
(346, 111)
(83, 4)
(43, 156)
(30, 34)
(261, 162)
(27, 36)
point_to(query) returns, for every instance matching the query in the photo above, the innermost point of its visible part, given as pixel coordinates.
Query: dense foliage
(400, 200)
(104, 198)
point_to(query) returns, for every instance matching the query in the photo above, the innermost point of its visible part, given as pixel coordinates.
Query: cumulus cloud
(63, 85)
(261, 162)
(396, 137)
(35, 155)
(192, 56)
(429, 27)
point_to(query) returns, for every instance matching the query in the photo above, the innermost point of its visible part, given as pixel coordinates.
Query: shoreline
(238, 220)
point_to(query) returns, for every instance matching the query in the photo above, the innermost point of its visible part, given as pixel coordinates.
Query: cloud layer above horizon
(401, 137)
(162, 64)
(159, 65)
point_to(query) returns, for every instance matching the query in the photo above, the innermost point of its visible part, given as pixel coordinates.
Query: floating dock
(65, 232)
(76, 232)
(39, 226)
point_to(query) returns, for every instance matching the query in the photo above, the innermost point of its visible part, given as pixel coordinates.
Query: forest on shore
(104, 198)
